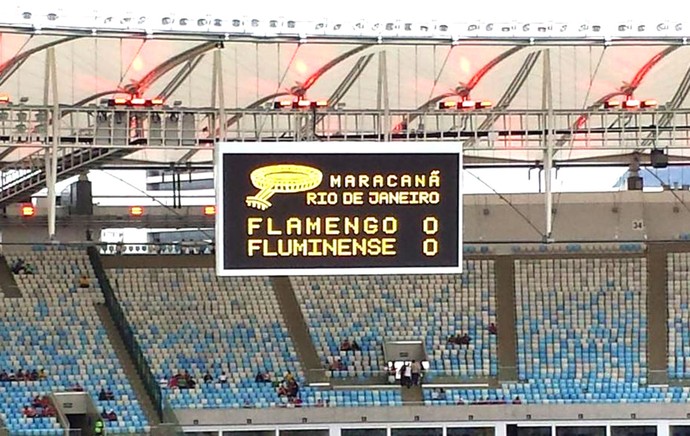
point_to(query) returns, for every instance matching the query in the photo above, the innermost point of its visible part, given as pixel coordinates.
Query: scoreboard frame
(355, 148)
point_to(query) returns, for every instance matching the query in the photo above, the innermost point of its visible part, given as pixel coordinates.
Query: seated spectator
(42, 374)
(84, 282)
(109, 396)
(29, 412)
(262, 377)
(34, 375)
(208, 378)
(19, 375)
(110, 415)
(492, 329)
(248, 404)
(458, 339)
(320, 403)
(37, 401)
(102, 395)
(29, 269)
(223, 379)
(163, 382)
(77, 388)
(355, 346)
(18, 266)
(517, 400)
(289, 377)
(182, 383)
(345, 345)
(292, 389)
(282, 390)
(4, 377)
(438, 394)
(336, 365)
(49, 411)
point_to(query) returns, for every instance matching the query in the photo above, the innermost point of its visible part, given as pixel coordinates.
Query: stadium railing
(127, 333)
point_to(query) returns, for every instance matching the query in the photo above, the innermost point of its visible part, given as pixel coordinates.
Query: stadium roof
(508, 71)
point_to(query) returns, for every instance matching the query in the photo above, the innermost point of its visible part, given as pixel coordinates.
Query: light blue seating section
(55, 326)
(373, 309)
(249, 394)
(678, 288)
(581, 335)
(190, 319)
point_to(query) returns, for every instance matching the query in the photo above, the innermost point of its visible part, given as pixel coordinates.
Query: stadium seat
(373, 309)
(188, 319)
(55, 326)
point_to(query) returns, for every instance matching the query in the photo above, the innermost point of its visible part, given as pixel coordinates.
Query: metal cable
(508, 202)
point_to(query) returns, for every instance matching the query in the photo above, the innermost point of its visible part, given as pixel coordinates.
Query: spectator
(102, 396)
(109, 396)
(517, 400)
(263, 377)
(408, 376)
(416, 370)
(492, 329)
(49, 411)
(355, 346)
(84, 282)
(41, 374)
(163, 382)
(34, 375)
(98, 428)
(208, 378)
(37, 401)
(29, 412)
(77, 388)
(345, 345)
(18, 266)
(29, 269)
(111, 415)
(289, 377)
(182, 383)
(4, 377)
(336, 365)
(405, 375)
(20, 375)
(438, 394)
(223, 379)
(320, 403)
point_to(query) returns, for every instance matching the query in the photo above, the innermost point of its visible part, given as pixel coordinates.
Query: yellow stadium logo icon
(283, 179)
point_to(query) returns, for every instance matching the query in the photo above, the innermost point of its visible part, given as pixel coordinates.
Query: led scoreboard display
(338, 208)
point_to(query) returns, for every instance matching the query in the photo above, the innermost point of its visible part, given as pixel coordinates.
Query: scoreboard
(316, 208)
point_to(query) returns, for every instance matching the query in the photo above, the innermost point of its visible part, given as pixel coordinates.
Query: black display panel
(365, 209)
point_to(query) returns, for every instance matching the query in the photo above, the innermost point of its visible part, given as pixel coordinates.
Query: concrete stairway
(657, 314)
(297, 326)
(504, 268)
(8, 285)
(127, 364)
(412, 396)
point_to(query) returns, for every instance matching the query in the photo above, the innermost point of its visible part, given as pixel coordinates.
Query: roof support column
(218, 95)
(382, 98)
(51, 176)
(547, 103)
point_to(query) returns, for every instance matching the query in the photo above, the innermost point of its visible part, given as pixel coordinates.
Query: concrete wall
(626, 215)
(497, 413)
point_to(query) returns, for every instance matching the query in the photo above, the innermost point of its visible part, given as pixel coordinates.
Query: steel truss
(192, 128)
